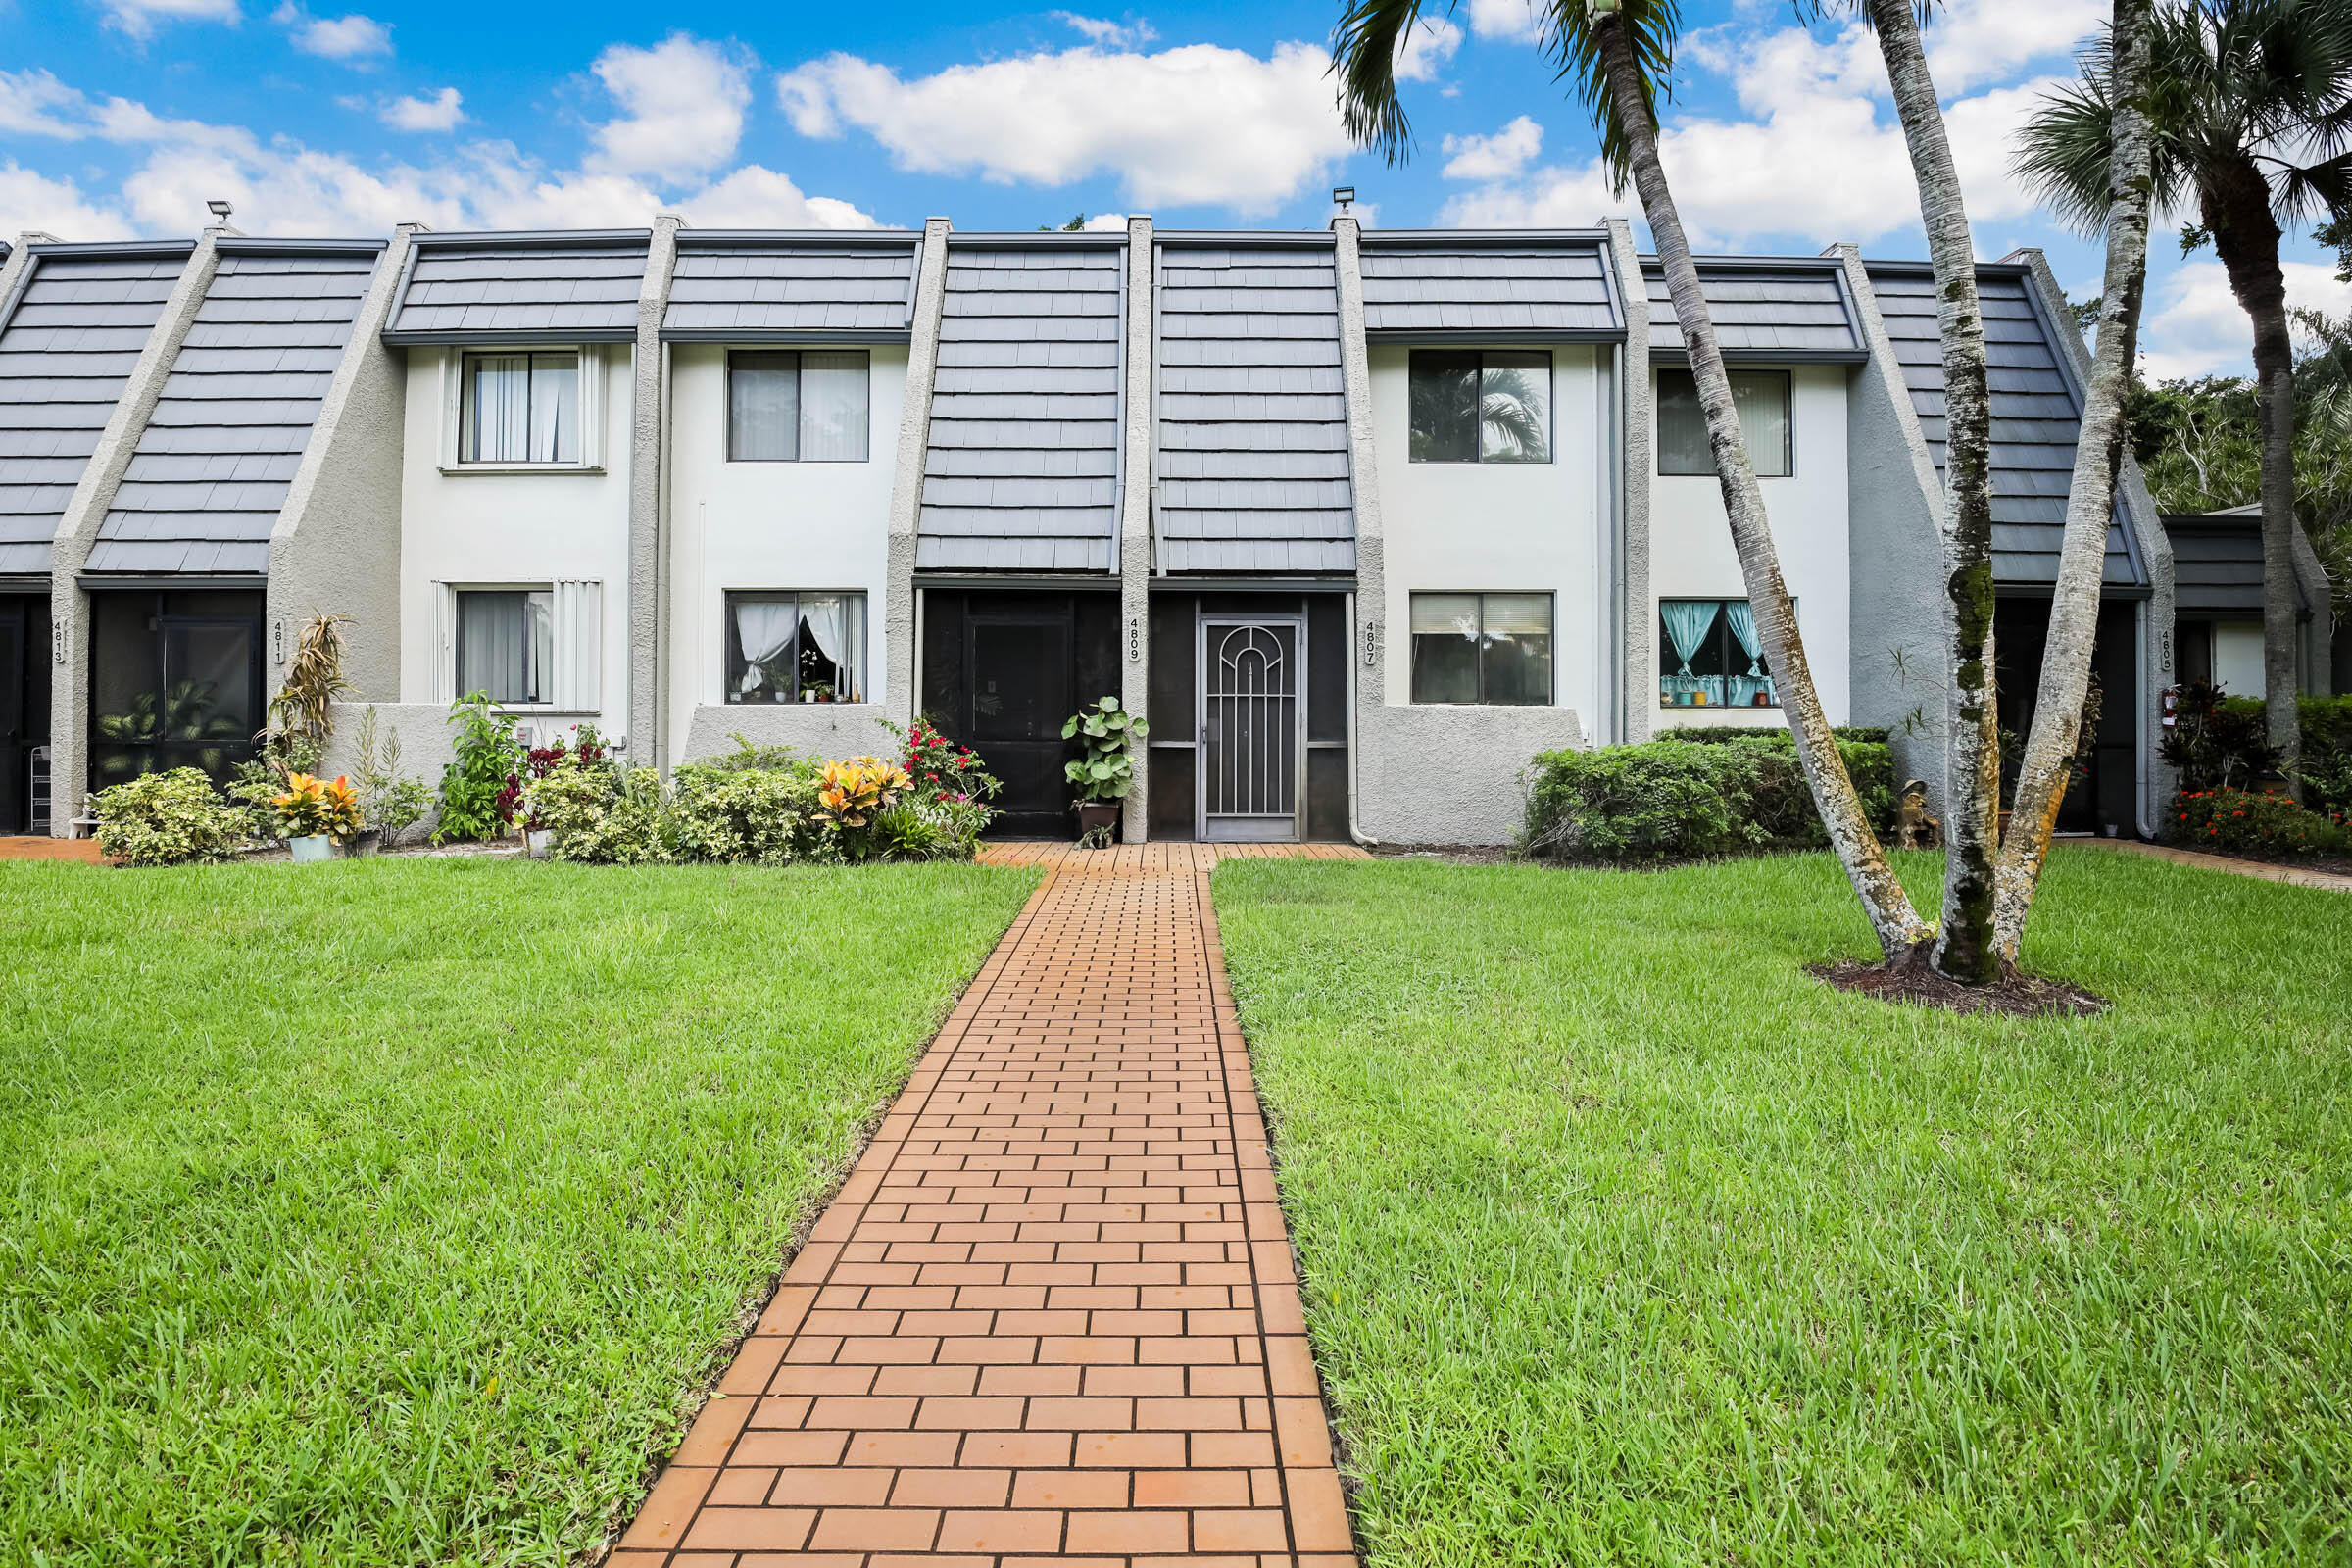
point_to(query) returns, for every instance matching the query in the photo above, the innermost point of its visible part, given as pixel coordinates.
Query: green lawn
(1628, 1241)
(392, 1212)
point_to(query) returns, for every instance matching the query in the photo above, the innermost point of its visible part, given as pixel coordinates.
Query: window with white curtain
(506, 644)
(799, 405)
(787, 646)
(1492, 649)
(1710, 657)
(520, 408)
(1761, 399)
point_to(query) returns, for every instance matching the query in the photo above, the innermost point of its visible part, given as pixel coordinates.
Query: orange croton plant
(315, 806)
(857, 789)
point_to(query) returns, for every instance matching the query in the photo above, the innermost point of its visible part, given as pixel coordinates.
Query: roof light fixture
(220, 210)
(1341, 195)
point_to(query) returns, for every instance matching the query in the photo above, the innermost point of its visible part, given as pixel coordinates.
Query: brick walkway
(47, 849)
(1051, 1315)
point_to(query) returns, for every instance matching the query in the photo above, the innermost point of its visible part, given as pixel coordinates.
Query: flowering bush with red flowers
(940, 768)
(2231, 822)
(586, 747)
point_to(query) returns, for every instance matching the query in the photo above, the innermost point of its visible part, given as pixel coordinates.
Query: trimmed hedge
(2245, 822)
(1676, 799)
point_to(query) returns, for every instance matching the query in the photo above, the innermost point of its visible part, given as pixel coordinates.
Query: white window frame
(575, 673)
(592, 376)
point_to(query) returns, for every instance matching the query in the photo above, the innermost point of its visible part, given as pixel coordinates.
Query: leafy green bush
(1673, 799)
(2243, 822)
(1716, 734)
(725, 811)
(600, 814)
(2326, 766)
(167, 820)
(487, 755)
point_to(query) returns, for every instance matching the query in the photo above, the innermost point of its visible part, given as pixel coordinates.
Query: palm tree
(1618, 51)
(2251, 102)
(2120, 64)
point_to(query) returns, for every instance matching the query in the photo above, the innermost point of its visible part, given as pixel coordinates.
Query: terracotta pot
(1093, 814)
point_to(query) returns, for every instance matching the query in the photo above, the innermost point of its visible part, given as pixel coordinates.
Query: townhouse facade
(1360, 521)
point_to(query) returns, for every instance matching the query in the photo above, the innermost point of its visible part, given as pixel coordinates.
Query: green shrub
(600, 815)
(725, 811)
(2326, 766)
(749, 759)
(487, 756)
(167, 820)
(1675, 798)
(2242, 822)
(1717, 734)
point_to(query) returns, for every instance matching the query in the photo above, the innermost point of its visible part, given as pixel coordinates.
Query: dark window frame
(1551, 444)
(799, 403)
(1551, 663)
(1707, 470)
(1727, 649)
(732, 643)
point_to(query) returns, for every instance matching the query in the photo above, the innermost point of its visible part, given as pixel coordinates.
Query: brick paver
(1051, 1315)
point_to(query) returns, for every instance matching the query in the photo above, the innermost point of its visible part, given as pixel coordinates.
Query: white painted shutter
(579, 646)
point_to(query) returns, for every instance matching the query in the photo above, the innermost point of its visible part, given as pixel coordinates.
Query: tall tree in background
(2251, 111)
(1618, 52)
(2121, 65)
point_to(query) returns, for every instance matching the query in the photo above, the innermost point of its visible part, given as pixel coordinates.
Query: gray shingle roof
(739, 289)
(210, 469)
(1251, 439)
(2217, 563)
(1021, 470)
(546, 289)
(1790, 311)
(2034, 415)
(1550, 288)
(66, 351)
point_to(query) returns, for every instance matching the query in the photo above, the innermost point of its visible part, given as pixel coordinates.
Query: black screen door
(1020, 695)
(14, 752)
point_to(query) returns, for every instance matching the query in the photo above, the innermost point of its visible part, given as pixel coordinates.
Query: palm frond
(1363, 56)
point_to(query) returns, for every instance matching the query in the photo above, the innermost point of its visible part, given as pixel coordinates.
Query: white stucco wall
(498, 528)
(2238, 656)
(1498, 528)
(1692, 555)
(774, 525)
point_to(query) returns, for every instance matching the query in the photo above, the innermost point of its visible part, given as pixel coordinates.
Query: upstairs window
(1479, 408)
(520, 408)
(798, 406)
(796, 647)
(1482, 648)
(1762, 399)
(1709, 656)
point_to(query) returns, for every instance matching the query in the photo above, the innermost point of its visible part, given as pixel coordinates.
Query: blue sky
(121, 117)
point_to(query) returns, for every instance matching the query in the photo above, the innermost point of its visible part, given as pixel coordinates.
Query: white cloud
(351, 37)
(1201, 123)
(30, 100)
(1496, 157)
(280, 186)
(438, 112)
(2195, 327)
(138, 18)
(30, 202)
(1505, 21)
(1106, 224)
(1987, 41)
(752, 197)
(682, 104)
(1103, 34)
(1424, 50)
(1820, 153)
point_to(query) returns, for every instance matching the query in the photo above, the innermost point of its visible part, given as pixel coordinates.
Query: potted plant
(1106, 772)
(315, 812)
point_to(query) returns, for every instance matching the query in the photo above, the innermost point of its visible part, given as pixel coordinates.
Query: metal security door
(1252, 748)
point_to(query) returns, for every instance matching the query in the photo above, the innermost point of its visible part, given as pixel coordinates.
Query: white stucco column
(649, 517)
(907, 483)
(1367, 638)
(1135, 520)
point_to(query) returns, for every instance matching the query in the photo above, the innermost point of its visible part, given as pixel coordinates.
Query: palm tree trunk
(1965, 950)
(1892, 918)
(2236, 209)
(2090, 498)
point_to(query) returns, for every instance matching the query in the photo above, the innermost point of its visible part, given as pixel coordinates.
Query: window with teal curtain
(1709, 656)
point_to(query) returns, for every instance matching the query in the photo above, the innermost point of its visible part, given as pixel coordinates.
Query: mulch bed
(1913, 979)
